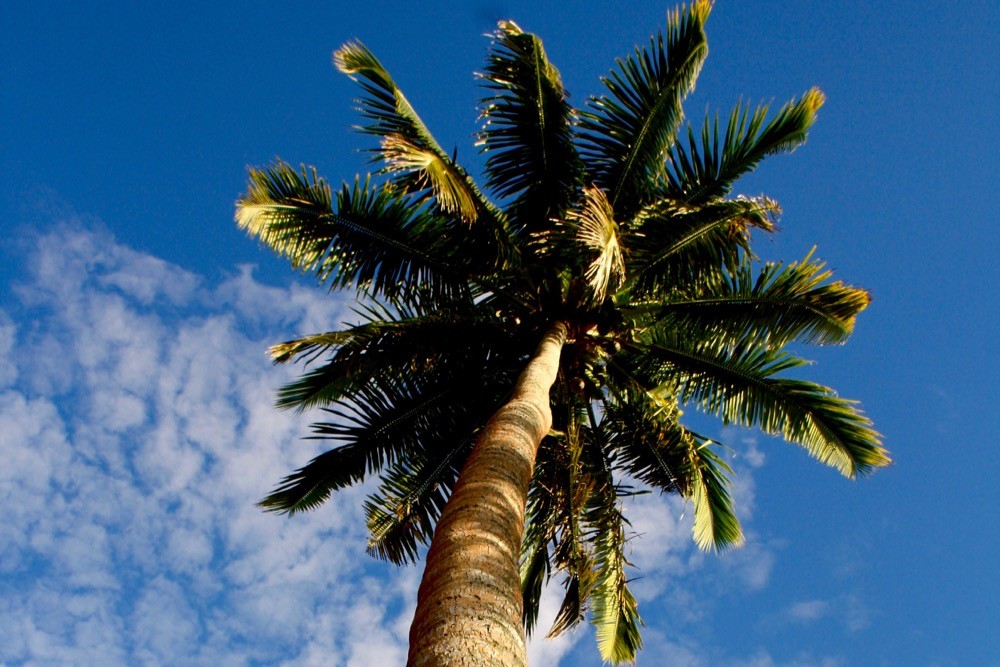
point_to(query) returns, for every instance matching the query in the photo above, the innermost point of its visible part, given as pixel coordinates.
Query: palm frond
(778, 305)
(528, 131)
(670, 245)
(651, 445)
(401, 515)
(535, 569)
(707, 169)
(408, 148)
(628, 132)
(422, 169)
(560, 498)
(290, 211)
(361, 353)
(738, 384)
(385, 419)
(571, 553)
(371, 237)
(715, 524)
(310, 486)
(556, 500)
(614, 611)
(578, 584)
(595, 228)
(648, 441)
(308, 348)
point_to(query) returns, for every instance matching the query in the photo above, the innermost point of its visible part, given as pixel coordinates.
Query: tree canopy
(616, 221)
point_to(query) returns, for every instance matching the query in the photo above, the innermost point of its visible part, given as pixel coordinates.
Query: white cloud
(764, 659)
(137, 429)
(749, 451)
(809, 610)
(847, 610)
(661, 548)
(543, 650)
(8, 334)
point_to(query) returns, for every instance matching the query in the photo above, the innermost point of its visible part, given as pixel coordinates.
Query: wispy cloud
(847, 610)
(808, 611)
(137, 428)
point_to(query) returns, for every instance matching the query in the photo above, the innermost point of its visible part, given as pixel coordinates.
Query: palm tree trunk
(469, 604)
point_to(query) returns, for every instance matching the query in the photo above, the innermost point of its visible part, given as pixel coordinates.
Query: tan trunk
(469, 603)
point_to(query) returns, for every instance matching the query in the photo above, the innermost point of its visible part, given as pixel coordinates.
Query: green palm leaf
(527, 136)
(370, 237)
(614, 611)
(628, 133)
(402, 513)
(707, 169)
(715, 524)
(652, 445)
(595, 229)
(424, 169)
(737, 383)
(290, 211)
(670, 245)
(778, 305)
(408, 148)
(648, 441)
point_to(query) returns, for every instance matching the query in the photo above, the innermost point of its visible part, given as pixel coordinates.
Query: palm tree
(522, 359)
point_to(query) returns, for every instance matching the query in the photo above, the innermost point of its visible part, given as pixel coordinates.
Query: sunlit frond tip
(596, 229)
(716, 527)
(614, 612)
(430, 170)
(406, 145)
(283, 208)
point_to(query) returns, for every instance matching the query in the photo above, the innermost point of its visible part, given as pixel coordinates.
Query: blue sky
(136, 427)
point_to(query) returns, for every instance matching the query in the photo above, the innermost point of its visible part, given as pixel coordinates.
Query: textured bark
(469, 603)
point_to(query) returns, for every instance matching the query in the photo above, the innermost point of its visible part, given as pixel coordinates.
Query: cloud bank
(137, 430)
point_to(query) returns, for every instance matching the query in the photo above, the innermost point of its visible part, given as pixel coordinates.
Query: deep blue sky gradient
(145, 117)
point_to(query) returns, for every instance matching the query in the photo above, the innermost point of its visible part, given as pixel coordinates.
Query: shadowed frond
(579, 585)
(550, 519)
(628, 132)
(528, 132)
(706, 170)
(402, 513)
(386, 418)
(779, 304)
(310, 486)
(648, 441)
(670, 246)
(535, 569)
(370, 237)
(418, 343)
(571, 553)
